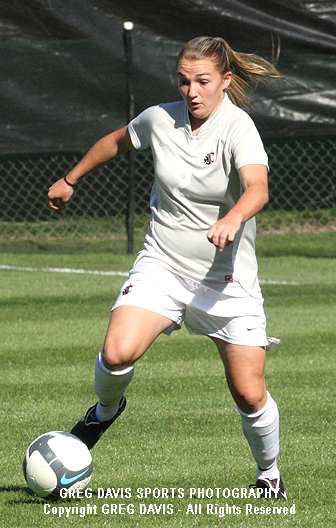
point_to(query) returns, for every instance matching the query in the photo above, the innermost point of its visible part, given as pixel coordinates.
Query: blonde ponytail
(246, 68)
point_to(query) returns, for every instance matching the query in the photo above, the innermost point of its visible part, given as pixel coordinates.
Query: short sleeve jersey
(196, 184)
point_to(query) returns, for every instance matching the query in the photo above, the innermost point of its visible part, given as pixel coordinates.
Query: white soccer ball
(57, 460)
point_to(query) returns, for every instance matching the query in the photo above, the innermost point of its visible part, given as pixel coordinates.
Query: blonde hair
(246, 68)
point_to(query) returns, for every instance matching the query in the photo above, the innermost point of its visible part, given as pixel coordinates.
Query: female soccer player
(198, 264)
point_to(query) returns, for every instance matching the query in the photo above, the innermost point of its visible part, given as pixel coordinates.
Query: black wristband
(70, 184)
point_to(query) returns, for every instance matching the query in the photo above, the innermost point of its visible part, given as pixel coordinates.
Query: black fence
(302, 193)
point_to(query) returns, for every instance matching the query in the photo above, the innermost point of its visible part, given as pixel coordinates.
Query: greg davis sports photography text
(178, 501)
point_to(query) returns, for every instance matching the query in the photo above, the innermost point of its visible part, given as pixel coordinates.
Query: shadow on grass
(27, 496)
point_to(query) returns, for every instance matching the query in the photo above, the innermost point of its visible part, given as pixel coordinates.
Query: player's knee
(117, 357)
(251, 400)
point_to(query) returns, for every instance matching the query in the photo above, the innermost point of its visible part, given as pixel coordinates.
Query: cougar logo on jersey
(127, 289)
(209, 158)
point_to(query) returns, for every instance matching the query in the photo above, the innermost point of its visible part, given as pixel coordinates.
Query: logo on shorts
(127, 289)
(209, 158)
(228, 278)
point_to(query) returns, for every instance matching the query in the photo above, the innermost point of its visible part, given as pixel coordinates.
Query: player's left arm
(254, 179)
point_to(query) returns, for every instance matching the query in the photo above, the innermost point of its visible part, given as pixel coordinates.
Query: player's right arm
(105, 150)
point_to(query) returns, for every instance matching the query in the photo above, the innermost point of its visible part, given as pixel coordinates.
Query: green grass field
(181, 428)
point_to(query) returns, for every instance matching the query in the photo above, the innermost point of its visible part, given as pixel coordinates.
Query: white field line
(287, 283)
(63, 270)
(107, 273)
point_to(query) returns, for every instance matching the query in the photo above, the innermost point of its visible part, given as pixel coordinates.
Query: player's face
(202, 88)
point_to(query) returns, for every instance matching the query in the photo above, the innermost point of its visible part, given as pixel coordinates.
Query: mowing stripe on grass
(100, 272)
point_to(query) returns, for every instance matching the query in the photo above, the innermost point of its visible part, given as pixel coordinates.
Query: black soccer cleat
(89, 429)
(270, 488)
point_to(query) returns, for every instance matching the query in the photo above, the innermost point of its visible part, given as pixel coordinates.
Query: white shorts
(204, 311)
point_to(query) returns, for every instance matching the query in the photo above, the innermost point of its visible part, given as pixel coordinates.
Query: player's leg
(244, 369)
(130, 332)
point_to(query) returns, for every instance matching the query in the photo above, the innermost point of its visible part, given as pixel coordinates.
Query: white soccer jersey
(196, 184)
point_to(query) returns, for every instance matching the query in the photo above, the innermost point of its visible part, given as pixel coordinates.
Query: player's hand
(223, 232)
(59, 194)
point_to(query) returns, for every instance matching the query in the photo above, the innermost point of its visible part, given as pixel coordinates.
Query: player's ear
(227, 79)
